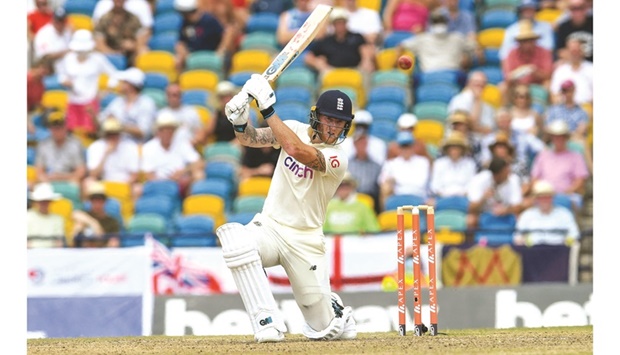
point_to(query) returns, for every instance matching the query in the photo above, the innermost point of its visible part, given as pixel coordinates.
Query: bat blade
(300, 41)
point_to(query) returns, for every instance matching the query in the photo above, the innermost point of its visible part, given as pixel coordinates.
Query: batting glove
(259, 88)
(238, 110)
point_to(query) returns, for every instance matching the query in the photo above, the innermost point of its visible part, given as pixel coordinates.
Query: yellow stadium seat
(31, 174)
(491, 37)
(55, 99)
(198, 79)
(64, 208)
(157, 61)
(250, 60)
(366, 199)
(256, 185)
(492, 95)
(447, 236)
(122, 192)
(370, 4)
(80, 22)
(206, 204)
(548, 15)
(347, 78)
(388, 221)
(386, 60)
(429, 131)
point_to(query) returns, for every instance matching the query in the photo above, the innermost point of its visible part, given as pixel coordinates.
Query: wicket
(419, 327)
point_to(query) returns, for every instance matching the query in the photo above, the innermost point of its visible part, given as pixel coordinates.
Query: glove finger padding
(238, 109)
(260, 89)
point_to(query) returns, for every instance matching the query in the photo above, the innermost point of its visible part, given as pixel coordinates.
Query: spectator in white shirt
(134, 110)
(165, 159)
(111, 158)
(576, 69)
(377, 148)
(53, 39)
(364, 21)
(190, 127)
(453, 171)
(79, 71)
(545, 223)
(481, 114)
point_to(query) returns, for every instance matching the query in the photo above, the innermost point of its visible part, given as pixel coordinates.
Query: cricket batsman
(289, 230)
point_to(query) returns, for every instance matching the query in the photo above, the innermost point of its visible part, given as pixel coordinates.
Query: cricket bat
(300, 41)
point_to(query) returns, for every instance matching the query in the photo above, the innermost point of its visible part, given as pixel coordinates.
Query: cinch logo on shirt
(298, 169)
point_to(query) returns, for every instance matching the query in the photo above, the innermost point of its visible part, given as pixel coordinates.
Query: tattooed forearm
(252, 137)
(319, 163)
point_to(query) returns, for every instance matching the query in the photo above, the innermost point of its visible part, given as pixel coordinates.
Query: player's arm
(256, 137)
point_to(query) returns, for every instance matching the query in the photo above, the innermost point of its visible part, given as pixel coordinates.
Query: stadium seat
(198, 80)
(222, 170)
(263, 22)
(84, 7)
(491, 57)
(167, 22)
(222, 151)
(215, 186)
(155, 80)
(55, 100)
(389, 93)
(51, 82)
(370, 4)
(548, 15)
(69, 191)
(293, 111)
(429, 131)
(388, 222)
(147, 223)
(366, 199)
(497, 18)
(210, 205)
(194, 231)
(539, 94)
(491, 37)
(384, 130)
(296, 94)
(161, 205)
(264, 41)
(118, 60)
(158, 95)
(122, 192)
(241, 217)
(31, 154)
(495, 230)
(205, 60)
(31, 174)
(168, 188)
(431, 111)
(293, 77)
(435, 92)
(165, 41)
(250, 60)
(493, 72)
(255, 185)
(196, 97)
(64, 208)
(450, 226)
(240, 78)
(389, 77)
(492, 95)
(345, 77)
(394, 38)
(386, 60)
(385, 111)
(500, 4)
(248, 203)
(457, 203)
(157, 61)
(80, 22)
(395, 201)
(439, 76)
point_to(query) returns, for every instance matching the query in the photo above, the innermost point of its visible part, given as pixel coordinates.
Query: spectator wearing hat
(219, 127)
(438, 49)
(52, 40)
(79, 71)
(190, 128)
(496, 190)
(580, 25)
(363, 168)
(577, 70)
(565, 169)
(119, 31)
(199, 31)
(453, 171)
(407, 174)
(60, 157)
(574, 115)
(364, 21)
(111, 158)
(44, 229)
(460, 121)
(135, 110)
(527, 11)
(376, 147)
(165, 159)
(346, 214)
(527, 64)
(481, 114)
(406, 122)
(545, 223)
(406, 15)
(341, 49)
(95, 228)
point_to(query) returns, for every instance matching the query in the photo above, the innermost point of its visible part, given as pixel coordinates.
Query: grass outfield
(556, 340)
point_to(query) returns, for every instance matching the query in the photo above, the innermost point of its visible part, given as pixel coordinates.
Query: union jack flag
(173, 274)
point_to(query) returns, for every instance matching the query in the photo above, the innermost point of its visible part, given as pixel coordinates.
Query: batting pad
(241, 257)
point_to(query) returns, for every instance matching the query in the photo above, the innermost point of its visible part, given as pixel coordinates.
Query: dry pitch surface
(559, 340)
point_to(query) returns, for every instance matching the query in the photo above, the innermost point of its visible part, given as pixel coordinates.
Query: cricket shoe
(269, 335)
(350, 327)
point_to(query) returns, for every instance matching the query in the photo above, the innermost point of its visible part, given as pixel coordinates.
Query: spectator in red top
(39, 17)
(527, 64)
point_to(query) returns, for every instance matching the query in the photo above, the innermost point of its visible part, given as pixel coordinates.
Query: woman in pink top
(406, 15)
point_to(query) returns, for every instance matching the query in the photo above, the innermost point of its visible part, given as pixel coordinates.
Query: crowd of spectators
(505, 154)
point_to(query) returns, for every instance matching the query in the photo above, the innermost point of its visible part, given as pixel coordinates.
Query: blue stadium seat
(262, 21)
(118, 60)
(167, 22)
(395, 37)
(222, 170)
(194, 231)
(439, 76)
(491, 56)
(496, 230)
(240, 78)
(165, 41)
(195, 97)
(438, 92)
(154, 80)
(84, 7)
(497, 18)
(297, 94)
(389, 93)
(51, 82)
(385, 111)
(167, 188)
(493, 72)
(240, 217)
(159, 205)
(214, 186)
(394, 201)
(384, 130)
(563, 200)
(31, 154)
(458, 203)
(293, 111)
